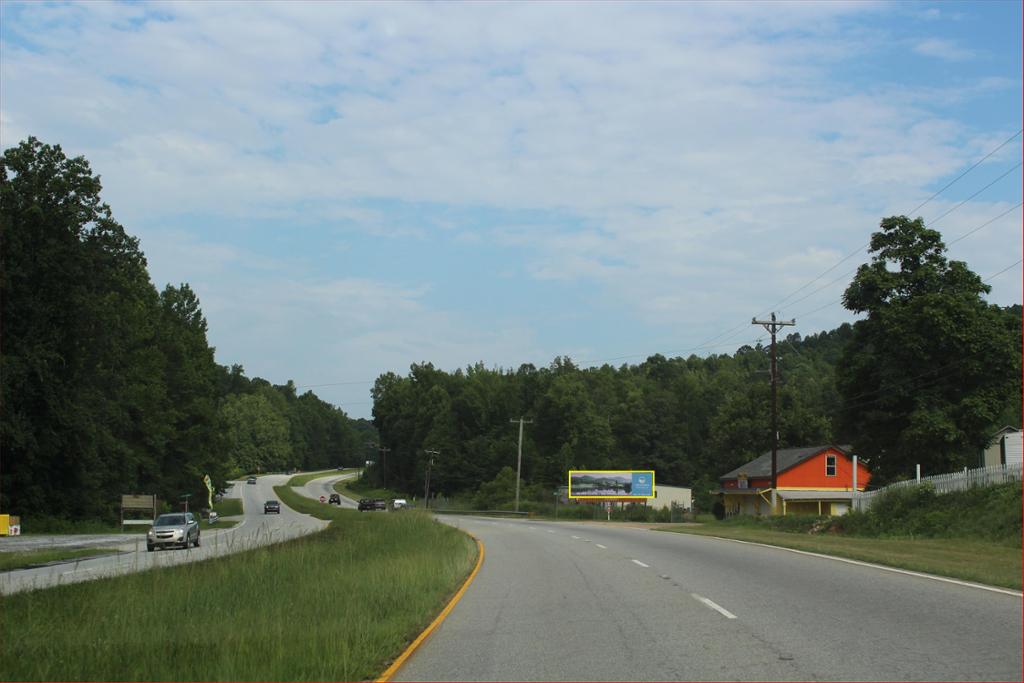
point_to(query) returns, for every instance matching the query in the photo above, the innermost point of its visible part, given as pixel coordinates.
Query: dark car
(251, 480)
(373, 504)
(271, 506)
(335, 499)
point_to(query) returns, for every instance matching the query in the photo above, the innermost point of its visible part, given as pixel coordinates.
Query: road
(573, 601)
(254, 529)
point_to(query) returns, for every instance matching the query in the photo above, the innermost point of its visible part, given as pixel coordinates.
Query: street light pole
(519, 459)
(430, 463)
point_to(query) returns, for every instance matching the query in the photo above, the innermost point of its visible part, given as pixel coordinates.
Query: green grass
(229, 507)
(306, 506)
(30, 558)
(303, 479)
(333, 606)
(347, 489)
(987, 562)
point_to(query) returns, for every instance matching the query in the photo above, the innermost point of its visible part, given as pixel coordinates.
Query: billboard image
(605, 484)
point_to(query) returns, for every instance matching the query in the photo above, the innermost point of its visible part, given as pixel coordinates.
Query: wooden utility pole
(384, 452)
(519, 460)
(774, 326)
(430, 464)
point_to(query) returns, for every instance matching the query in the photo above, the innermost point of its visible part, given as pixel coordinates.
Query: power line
(927, 201)
(936, 220)
(1012, 265)
(976, 164)
(850, 272)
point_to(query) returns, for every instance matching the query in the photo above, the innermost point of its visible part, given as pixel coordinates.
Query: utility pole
(384, 452)
(430, 463)
(774, 326)
(519, 460)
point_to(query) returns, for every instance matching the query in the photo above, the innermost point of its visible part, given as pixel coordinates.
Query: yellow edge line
(414, 645)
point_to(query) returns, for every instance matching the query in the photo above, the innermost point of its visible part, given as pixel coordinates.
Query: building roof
(785, 458)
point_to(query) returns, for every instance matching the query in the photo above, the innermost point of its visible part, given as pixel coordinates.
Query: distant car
(251, 480)
(335, 499)
(399, 503)
(271, 506)
(175, 529)
(373, 504)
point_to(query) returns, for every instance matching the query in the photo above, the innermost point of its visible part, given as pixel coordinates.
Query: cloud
(946, 50)
(682, 163)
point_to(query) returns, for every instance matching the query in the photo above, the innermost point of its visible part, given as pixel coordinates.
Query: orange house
(815, 480)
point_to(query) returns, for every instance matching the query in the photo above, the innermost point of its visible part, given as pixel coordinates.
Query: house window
(830, 465)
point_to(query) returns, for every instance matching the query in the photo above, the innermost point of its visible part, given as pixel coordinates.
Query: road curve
(572, 601)
(254, 529)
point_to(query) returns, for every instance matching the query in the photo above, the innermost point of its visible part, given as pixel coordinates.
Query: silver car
(175, 529)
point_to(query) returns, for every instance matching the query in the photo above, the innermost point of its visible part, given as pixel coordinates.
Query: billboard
(611, 484)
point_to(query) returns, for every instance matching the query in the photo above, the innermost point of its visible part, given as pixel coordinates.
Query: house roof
(785, 458)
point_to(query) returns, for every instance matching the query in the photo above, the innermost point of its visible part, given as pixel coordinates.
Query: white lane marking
(602, 547)
(718, 608)
(576, 537)
(550, 531)
(968, 584)
(647, 566)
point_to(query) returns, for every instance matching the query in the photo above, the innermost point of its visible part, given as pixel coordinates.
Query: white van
(399, 503)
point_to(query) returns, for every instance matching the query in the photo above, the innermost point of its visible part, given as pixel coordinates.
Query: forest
(109, 385)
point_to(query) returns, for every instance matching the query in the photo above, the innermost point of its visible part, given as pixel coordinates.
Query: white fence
(954, 481)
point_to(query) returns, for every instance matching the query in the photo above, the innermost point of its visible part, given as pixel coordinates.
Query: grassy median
(333, 606)
(996, 564)
(34, 558)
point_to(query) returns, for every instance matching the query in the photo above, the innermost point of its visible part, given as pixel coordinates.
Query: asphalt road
(254, 529)
(571, 601)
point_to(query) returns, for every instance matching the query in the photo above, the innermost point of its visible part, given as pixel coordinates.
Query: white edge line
(933, 577)
(718, 608)
(602, 547)
(645, 566)
(576, 537)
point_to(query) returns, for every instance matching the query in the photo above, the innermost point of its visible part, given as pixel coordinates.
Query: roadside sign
(611, 484)
(322, 499)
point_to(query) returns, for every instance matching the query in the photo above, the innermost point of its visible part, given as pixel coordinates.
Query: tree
(927, 373)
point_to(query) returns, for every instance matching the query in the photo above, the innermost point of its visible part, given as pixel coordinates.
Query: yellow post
(5, 524)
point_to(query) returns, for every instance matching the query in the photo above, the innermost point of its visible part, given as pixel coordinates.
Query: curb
(414, 645)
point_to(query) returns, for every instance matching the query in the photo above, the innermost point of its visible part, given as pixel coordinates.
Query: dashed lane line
(710, 603)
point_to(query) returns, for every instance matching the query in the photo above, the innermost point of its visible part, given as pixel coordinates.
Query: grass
(346, 489)
(32, 558)
(303, 479)
(987, 562)
(332, 606)
(306, 506)
(229, 507)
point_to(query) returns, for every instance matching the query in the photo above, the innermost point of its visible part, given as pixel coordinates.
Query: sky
(351, 188)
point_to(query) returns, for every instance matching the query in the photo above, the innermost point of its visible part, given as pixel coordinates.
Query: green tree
(258, 434)
(927, 373)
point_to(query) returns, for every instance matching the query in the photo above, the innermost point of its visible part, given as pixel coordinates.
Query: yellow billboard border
(654, 489)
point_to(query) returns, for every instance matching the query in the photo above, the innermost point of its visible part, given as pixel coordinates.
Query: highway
(578, 601)
(254, 529)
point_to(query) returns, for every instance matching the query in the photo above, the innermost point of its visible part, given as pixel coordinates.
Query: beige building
(664, 496)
